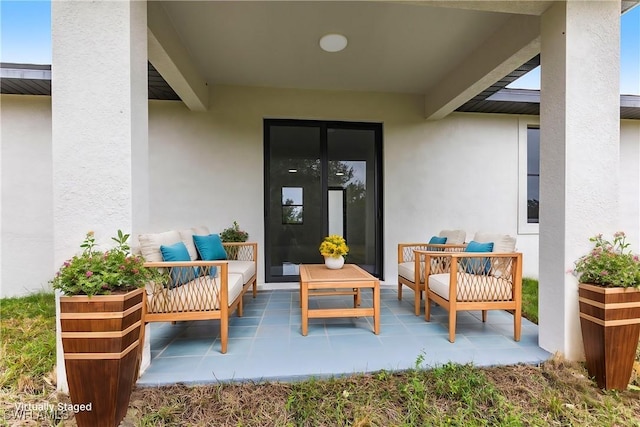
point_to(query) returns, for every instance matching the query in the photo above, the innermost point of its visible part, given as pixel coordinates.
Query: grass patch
(555, 393)
(530, 299)
(28, 341)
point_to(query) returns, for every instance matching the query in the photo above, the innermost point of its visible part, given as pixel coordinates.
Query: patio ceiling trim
(173, 61)
(25, 79)
(30, 79)
(511, 46)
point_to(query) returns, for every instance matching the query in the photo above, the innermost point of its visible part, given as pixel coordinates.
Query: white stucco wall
(25, 175)
(207, 168)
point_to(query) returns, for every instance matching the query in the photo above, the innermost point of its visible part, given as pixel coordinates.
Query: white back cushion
(454, 237)
(187, 238)
(501, 242)
(150, 244)
(201, 230)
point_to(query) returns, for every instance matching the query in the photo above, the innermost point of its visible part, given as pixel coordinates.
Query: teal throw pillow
(179, 275)
(435, 240)
(477, 265)
(210, 249)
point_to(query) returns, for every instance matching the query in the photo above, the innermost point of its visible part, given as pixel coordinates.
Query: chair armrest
(166, 268)
(241, 251)
(405, 251)
(478, 276)
(198, 263)
(437, 265)
(181, 290)
(496, 264)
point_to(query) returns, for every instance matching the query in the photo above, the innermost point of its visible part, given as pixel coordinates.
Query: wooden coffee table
(316, 279)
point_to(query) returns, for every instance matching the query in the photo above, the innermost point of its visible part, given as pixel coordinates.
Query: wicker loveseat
(198, 289)
(474, 280)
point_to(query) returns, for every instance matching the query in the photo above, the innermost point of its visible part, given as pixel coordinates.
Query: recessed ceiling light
(339, 173)
(333, 42)
(293, 170)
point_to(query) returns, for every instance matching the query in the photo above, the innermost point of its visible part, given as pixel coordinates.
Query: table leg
(376, 308)
(304, 302)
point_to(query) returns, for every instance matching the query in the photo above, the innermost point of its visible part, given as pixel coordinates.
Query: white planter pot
(333, 263)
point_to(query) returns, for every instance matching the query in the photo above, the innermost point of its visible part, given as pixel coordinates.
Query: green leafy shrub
(609, 264)
(234, 234)
(100, 273)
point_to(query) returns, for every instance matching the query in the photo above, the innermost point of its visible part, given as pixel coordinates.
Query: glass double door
(321, 178)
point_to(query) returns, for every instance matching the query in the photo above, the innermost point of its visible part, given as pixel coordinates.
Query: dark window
(533, 174)
(292, 204)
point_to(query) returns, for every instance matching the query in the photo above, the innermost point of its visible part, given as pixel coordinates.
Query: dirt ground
(528, 388)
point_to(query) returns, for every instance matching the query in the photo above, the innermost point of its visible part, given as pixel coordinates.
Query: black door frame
(378, 195)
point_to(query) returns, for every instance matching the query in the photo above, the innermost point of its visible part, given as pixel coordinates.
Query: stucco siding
(459, 172)
(27, 213)
(206, 168)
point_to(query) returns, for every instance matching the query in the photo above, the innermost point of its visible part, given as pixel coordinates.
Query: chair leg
(427, 307)
(452, 325)
(224, 334)
(240, 306)
(400, 291)
(417, 297)
(255, 288)
(484, 316)
(517, 323)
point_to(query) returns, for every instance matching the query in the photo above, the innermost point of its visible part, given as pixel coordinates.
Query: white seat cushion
(454, 237)
(200, 294)
(472, 287)
(407, 270)
(247, 269)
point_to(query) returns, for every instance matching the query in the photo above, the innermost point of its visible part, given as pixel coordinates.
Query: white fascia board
(22, 73)
(172, 60)
(505, 50)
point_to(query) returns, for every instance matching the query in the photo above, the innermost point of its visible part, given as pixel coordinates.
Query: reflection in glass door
(352, 171)
(321, 178)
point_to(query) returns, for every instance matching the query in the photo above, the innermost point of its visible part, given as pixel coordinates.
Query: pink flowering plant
(100, 273)
(609, 264)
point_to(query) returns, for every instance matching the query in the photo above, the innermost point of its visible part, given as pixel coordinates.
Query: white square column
(99, 125)
(579, 155)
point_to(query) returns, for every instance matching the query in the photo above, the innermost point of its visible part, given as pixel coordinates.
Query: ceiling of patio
(403, 47)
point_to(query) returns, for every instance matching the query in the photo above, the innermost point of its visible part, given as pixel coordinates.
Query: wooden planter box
(610, 320)
(102, 341)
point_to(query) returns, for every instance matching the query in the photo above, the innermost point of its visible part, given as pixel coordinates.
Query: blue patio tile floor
(266, 344)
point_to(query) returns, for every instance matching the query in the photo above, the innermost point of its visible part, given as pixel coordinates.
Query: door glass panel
(321, 178)
(295, 200)
(351, 154)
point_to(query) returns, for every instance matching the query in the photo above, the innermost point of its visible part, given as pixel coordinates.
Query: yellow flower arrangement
(334, 246)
